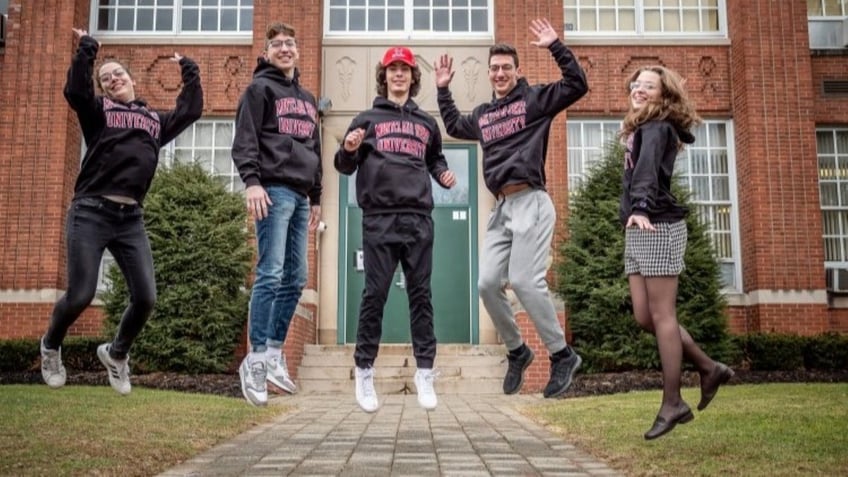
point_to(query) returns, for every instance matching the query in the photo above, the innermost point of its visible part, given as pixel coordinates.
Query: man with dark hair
(513, 131)
(278, 155)
(395, 148)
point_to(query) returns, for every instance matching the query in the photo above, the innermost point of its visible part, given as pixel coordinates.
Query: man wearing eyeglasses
(277, 151)
(513, 131)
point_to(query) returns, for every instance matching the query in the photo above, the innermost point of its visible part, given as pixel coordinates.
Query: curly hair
(383, 87)
(673, 106)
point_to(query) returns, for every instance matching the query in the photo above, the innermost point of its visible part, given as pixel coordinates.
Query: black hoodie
(123, 139)
(513, 130)
(401, 145)
(648, 171)
(277, 140)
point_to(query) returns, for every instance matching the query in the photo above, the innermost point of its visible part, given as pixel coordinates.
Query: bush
(202, 259)
(596, 293)
(78, 354)
(773, 352)
(828, 351)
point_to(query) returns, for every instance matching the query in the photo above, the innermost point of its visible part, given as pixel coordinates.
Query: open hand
(640, 221)
(177, 57)
(544, 31)
(443, 71)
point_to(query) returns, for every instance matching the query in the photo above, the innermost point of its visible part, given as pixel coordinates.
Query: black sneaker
(562, 371)
(515, 372)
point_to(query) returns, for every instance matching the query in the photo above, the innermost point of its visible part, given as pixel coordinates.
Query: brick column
(773, 99)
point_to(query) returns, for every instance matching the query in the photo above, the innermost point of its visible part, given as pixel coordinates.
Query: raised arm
(189, 106)
(457, 125)
(555, 97)
(79, 88)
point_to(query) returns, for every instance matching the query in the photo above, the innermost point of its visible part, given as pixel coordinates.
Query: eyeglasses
(505, 68)
(118, 73)
(646, 86)
(279, 43)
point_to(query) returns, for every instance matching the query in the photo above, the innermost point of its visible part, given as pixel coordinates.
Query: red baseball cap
(398, 53)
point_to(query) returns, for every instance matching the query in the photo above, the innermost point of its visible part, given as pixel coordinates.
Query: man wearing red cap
(513, 131)
(395, 148)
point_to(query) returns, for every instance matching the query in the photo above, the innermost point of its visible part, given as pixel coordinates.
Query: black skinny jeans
(95, 224)
(386, 240)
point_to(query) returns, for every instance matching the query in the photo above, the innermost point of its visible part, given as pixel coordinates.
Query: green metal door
(454, 261)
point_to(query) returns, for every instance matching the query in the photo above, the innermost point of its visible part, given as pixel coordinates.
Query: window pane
(825, 142)
(164, 19)
(190, 20)
(357, 20)
(144, 19)
(246, 20)
(376, 20)
(224, 135)
(479, 20)
(395, 20)
(209, 20)
(460, 20)
(829, 193)
(338, 20)
(421, 20)
(229, 20)
(223, 162)
(125, 20)
(441, 20)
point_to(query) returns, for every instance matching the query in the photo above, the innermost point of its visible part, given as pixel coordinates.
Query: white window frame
(175, 34)
(828, 30)
(834, 177)
(408, 32)
(583, 155)
(572, 25)
(169, 151)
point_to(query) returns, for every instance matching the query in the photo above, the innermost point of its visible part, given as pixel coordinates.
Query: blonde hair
(673, 106)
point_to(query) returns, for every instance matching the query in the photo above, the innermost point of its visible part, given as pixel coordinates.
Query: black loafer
(662, 426)
(721, 374)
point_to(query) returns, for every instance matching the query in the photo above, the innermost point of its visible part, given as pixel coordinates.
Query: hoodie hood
(384, 103)
(685, 136)
(264, 69)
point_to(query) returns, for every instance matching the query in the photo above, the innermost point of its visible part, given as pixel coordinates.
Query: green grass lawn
(83, 430)
(748, 430)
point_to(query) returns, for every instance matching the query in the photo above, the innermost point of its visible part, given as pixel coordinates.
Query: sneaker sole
(244, 392)
(564, 389)
(279, 385)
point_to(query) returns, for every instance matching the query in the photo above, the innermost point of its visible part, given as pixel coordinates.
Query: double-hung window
(832, 152)
(646, 18)
(208, 142)
(172, 17)
(408, 18)
(705, 168)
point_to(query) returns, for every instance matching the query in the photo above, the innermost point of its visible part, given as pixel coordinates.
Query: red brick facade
(765, 78)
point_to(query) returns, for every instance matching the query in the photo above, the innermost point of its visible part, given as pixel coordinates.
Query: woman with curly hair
(656, 128)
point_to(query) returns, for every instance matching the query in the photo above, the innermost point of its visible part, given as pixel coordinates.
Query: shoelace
(51, 360)
(428, 381)
(257, 372)
(368, 384)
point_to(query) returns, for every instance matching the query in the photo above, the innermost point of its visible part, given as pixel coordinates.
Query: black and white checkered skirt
(655, 253)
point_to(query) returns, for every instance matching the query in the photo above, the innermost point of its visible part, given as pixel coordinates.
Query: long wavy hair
(673, 105)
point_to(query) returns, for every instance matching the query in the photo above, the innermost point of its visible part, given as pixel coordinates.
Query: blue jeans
(93, 225)
(281, 269)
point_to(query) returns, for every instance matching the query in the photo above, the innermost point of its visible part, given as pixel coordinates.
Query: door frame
(345, 183)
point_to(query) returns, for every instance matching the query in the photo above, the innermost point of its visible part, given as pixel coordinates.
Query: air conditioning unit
(845, 32)
(836, 280)
(828, 32)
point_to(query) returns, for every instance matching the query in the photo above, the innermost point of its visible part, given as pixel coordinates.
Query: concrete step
(463, 369)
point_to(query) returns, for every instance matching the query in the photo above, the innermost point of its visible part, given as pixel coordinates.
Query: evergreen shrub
(202, 258)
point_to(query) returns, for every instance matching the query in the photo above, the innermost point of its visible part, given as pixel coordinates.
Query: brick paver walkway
(331, 436)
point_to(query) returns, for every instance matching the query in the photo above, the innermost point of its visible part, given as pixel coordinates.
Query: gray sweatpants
(515, 250)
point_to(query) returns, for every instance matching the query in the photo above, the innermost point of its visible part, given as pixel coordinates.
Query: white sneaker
(118, 370)
(366, 395)
(252, 376)
(52, 369)
(278, 374)
(424, 385)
